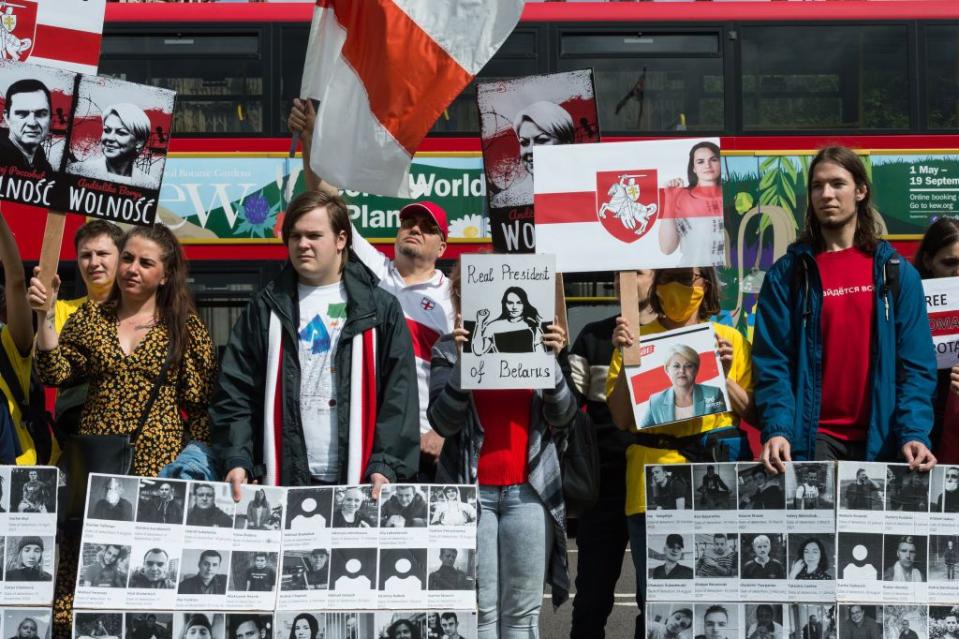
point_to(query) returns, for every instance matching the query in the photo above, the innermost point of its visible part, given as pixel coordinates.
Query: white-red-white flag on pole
(383, 71)
(65, 34)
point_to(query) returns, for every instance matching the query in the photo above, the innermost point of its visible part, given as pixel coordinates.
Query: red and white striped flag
(64, 34)
(383, 71)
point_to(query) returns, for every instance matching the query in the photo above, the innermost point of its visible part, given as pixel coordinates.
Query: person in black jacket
(321, 331)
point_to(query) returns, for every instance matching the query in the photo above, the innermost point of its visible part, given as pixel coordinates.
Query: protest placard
(630, 205)
(942, 306)
(680, 377)
(517, 115)
(83, 144)
(508, 301)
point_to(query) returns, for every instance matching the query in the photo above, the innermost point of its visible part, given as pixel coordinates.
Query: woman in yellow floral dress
(120, 347)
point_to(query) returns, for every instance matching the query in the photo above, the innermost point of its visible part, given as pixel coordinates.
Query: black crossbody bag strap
(153, 396)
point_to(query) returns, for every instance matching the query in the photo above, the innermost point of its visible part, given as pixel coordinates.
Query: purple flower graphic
(257, 209)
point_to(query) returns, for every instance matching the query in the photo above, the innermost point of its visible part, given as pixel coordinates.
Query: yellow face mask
(679, 301)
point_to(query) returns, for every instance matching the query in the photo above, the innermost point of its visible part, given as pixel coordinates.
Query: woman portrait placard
(680, 377)
(516, 116)
(508, 303)
(119, 135)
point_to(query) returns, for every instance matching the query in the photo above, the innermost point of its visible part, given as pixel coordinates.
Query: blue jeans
(513, 541)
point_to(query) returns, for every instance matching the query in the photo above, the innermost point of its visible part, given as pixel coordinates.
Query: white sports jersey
(427, 307)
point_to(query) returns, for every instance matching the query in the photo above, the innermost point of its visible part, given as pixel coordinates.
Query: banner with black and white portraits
(83, 144)
(28, 528)
(517, 115)
(508, 303)
(681, 377)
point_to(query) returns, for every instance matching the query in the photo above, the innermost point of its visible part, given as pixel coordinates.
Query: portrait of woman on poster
(518, 329)
(542, 123)
(692, 218)
(812, 562)
(27, 629)
(305, 626)
(27, 563)
(126, 130)
(259, 513)
(685, 399)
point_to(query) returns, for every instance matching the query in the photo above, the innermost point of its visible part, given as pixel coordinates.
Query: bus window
(218, 77)
(942, 76)
(819, 77)
(651, 82)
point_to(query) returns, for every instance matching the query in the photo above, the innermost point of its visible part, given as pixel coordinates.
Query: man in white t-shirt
(412, 276)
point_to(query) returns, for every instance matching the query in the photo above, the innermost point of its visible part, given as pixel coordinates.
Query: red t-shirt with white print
(848, 311)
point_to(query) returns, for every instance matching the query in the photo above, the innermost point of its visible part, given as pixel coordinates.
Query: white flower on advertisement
(468, 227)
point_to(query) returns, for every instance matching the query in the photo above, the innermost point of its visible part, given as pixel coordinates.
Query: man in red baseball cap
(422, 289)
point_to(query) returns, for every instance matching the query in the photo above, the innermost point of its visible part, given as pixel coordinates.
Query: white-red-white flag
(383, 71)
(65, 34)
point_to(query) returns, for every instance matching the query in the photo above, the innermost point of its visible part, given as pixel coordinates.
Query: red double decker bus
(774, 81)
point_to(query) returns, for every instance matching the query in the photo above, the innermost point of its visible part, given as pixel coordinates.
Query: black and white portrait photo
(906, 490)
(508, 305)
(811, 556)
(29, 558)
(669, 621)
(33, 490)
(714, 486)
(353, 569)
(669, 487)
(760, 490)
(203, 571)
(859, 556)
(150, 625)
(451, 568)
(250, 626)
(763, 621)
(716, 621)
(862, 486)
(810, 486)
(300, 625)
(401, 624)
(402, 570)
(210, 505)
(253, 571)
(944, 489)
(904, 558)
(308, 508)
(905, 621)
(112, 497)
(354, 507)
(403, 506)
(36, 114)
(104, 565)
(154, 568)
(717, 555)
(161, 501)
(762, 556)
(452, 505)
(199, 625)
(98, 625)
(120, 132)
(5, 489)
(669, 556)
(943, 622)
(26, 623)
(943, 557)
(860, 621)
(812, 620)
(305, 570)
(259, 508)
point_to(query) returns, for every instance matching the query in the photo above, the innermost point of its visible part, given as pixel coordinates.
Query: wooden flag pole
(50, 249)
(629, 309)
(561, 319)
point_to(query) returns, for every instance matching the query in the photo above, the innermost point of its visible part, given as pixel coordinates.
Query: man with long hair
(844, 368)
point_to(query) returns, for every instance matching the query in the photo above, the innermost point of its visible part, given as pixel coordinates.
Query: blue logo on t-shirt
(315, 333)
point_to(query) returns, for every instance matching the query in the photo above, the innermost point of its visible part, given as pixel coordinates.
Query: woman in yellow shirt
(681, 297)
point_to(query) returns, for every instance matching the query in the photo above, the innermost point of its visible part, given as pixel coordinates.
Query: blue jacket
(787, 357)
(662, 405)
